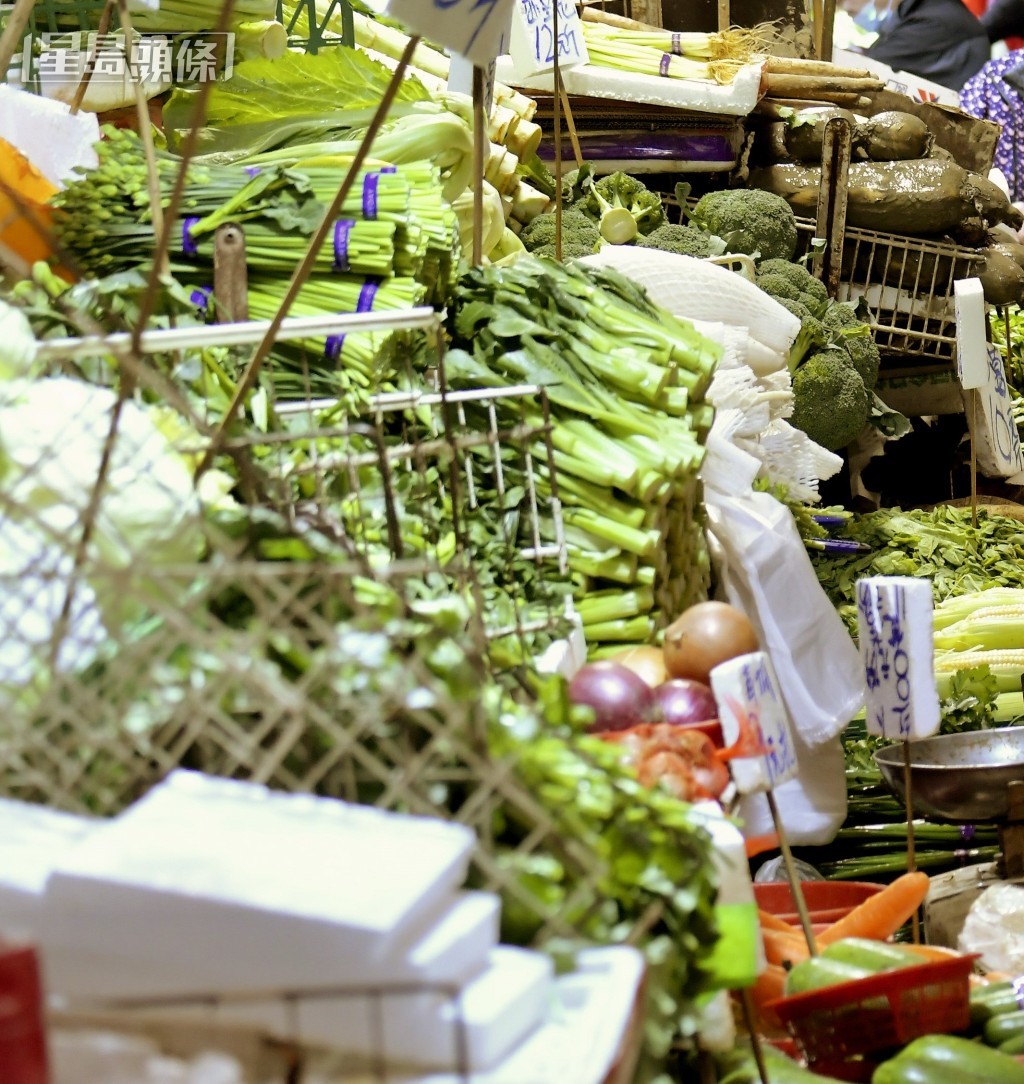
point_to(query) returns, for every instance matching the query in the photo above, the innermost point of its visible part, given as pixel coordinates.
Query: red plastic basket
(827, 901)
(851, 1019)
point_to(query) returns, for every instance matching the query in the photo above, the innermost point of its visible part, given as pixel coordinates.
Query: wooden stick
(571, 124)
(908, 803)
(101, 32)
(794, 880)
(724, 15)
(302, 271)
(790, 65)
(479, 155)
(811, 86)
(12, 34)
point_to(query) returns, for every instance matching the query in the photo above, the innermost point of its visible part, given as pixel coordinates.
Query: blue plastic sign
(478, 29)
(534, 38)
(755, 723)
(894, 619)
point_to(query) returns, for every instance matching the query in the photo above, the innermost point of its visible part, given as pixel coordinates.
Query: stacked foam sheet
(213, 886)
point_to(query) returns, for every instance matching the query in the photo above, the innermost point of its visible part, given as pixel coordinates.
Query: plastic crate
(840, 1025)
(827, 901)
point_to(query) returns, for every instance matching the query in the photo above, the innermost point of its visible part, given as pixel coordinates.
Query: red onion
(619, 697)
(682, 701)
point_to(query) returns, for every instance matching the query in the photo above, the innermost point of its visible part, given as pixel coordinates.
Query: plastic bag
(766, 572)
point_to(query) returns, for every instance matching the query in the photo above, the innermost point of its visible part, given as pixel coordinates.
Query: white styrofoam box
(243, 885)
(738, 98)
(46, 132)
(585, 1035)
(408, 1026)
(452, 951)
(32, 840)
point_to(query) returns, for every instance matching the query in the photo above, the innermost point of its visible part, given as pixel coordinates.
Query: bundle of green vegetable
(714, 57)
(626, 382)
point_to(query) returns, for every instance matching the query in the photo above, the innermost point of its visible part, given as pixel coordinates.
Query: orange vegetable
(756, 845)
(769, 986)
(881, 915)
(773, 922)
(930, 953)
(16, 231)
(782, 948)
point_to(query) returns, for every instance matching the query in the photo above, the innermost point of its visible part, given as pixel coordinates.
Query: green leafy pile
(940, 545)
(626, 384)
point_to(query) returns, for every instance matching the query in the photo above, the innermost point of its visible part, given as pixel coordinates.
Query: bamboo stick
(814, 86)
(850, 101)
(790, 65)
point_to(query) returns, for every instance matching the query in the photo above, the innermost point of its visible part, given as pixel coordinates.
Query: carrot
(931, 953)
(773, 922)
(881, 915)
(781, 948)
(769, 986)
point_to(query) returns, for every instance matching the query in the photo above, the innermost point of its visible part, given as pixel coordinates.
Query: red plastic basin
(827, 901)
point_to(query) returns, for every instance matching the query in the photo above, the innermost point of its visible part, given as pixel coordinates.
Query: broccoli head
(778, 287)
(811, 336)
(750, 221)
(864, 355)
(578, 233)
(622, 207)
(830, 401)
(812, 292)
(846, 330)
(683, 240)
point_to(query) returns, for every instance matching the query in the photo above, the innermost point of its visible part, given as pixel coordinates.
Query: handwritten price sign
(894, 618)
(478, 29)
(533, 37)
(754, 720)
(995, 434)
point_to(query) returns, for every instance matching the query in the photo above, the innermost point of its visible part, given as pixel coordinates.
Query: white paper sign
(478, 29)
(993, 429)
(971, 333)
(753, 717)
(460, 79)
(533, 37)
(894, 618)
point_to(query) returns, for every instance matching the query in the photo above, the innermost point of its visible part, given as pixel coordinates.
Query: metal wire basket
(906, 284)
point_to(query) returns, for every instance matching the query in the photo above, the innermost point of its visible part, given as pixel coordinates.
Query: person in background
(938, 40)
(995, 94)
(1004, 19)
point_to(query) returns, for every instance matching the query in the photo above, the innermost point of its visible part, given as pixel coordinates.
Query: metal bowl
(960, 778)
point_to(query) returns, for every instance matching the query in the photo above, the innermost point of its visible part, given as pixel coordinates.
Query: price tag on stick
(894, 619)
(754, 721)
(755, 726)
(478, 29)
(534, 38)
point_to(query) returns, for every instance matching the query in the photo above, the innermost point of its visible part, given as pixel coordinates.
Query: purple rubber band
(370, 195)
(366, 297)
(253, 171)
(967, 832)
(200, 297)
(666, 59)
(188, 246)
(342, 228)
(334, 343)
(389, 169)
(677, 44)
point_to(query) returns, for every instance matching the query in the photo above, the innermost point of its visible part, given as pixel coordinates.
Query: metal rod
(794, 881)
(242, 334)
(302, 272)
